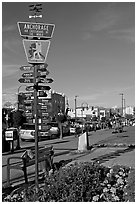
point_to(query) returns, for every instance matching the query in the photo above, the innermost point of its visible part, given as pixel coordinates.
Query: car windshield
(28, 127)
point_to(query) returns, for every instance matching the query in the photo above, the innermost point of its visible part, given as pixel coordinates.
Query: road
(68, 144)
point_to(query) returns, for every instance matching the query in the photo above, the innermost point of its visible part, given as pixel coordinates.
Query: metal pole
(36, 129)
(76, 107)
(122, 102)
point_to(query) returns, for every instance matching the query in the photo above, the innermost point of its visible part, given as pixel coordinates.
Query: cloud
(116, 20)
(9, 28)
(125, 34)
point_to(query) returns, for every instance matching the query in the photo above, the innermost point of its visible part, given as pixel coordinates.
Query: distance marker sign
(36, 50)
(40, 30)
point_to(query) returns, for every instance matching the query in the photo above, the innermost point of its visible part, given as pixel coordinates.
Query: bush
(83, 182)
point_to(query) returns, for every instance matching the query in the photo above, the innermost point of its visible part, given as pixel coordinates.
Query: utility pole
(76, 107)
(122, 102)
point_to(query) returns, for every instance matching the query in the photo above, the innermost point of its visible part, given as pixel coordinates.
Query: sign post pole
(36, 129)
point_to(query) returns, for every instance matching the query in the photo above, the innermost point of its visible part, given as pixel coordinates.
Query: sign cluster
(36, 44)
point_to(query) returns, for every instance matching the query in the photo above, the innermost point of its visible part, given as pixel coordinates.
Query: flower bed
(82, 182)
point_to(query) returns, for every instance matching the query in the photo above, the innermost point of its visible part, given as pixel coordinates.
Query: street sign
(42, 66)
(42, 76)
(28, 101)
(44, 88)
(28, 94)
(26, 68)
(43, 114)
(28, 107)
(47, 97)
(36, 50)
(46, 80)
(28, 74)
(29, 88)
(26, 80)
(28, 114)
(42, 93)
(40, 30)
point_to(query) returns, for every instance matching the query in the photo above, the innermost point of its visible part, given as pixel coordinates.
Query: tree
(60, 119)
(18, 118)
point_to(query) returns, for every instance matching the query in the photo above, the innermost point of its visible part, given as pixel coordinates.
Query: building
(48, 107)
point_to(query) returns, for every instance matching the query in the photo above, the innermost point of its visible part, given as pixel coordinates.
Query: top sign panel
(41, 30)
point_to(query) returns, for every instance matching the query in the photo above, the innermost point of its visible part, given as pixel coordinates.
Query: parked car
(27, 132)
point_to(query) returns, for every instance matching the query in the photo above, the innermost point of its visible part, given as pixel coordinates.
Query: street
(68, 144)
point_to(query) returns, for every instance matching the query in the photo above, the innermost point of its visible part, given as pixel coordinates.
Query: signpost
(36, 46)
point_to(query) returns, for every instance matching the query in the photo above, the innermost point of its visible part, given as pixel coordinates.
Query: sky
(91, 54)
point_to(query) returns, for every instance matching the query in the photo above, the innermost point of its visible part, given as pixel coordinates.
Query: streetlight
(76, 107)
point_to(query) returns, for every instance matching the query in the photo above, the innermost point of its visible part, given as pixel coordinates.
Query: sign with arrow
(46, 80)
(47, 88)
(40, 30)
(29, 88)
(26, 68)
(42, 66)
(28, 74)
(36, 50)
(26, 80)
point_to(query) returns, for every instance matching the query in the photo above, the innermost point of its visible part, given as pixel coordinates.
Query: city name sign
(45, 80)
(26, 80)
(36, 50)
(26, 68)
(40, 30)
(28, 74)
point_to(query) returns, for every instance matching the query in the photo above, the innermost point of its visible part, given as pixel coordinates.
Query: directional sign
(28, 107)
(40, 30)
(28, 101)
(47, 80)
(47, 97)
(26, 68)
(36, 50)
(42, 93)
(28, 74)
(47, 88)
(27, 94)
(26, 80)
(42, 66)
(29, 88)
(41, 73)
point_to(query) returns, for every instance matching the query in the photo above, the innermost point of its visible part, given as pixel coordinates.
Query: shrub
(81, 182)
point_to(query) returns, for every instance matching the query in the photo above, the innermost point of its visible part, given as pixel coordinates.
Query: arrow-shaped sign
(46, 80)
(42, 72)
(28, 74)
(26, 80)
(44, 88)
(29, 88)
(26, 68)
(42, 66)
